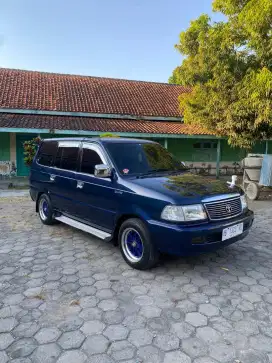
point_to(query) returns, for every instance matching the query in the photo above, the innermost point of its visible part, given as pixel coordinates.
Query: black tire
(149, 256)
(45, 210)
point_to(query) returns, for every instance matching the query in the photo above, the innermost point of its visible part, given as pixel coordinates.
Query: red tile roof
(8, 120)
(31, 90)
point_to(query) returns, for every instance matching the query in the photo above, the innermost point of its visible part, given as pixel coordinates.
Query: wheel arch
(120, 221)
(38, 197)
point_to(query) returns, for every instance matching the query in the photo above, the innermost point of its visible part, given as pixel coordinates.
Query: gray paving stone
(92, 327)
(102, 358)
(182, 330)
(150, 311)
(26, 330)
(134, 322)
(95, 344)
(113, 317)
(5, 340)
(196, 319)
(252, 356)
(194, 347)
(261, 343)
(204, 360)
(208, 310)
(187, 306)
(3, 357)
(21, 348)
(107, 305)
(246, 327)
(121, 350)
(251, 296)
(9, 311)
(166, 342)
(176, 357)
(71, 323)
(7, 324)
(21, 360)
(150, 354)
(116, 332)
(222, 352)
(72, 356)
(140, 337)
(208, 335)
(143, 300)
(47, 335)
(47, 353)
(71, 340)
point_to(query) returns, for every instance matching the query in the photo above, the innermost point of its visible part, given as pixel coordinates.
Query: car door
(96, 198)
(41, 169)
(62, 177)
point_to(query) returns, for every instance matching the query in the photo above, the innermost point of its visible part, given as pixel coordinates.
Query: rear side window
(90, 158)
(67, 156)
(47, 153)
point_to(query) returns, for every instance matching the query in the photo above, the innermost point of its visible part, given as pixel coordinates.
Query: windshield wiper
(152, 172)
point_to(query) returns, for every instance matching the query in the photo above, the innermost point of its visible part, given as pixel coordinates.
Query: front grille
(224, 209)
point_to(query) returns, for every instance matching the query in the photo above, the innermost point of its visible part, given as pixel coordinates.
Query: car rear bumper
(195, 239)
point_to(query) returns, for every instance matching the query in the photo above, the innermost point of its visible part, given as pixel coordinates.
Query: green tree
(228, 65)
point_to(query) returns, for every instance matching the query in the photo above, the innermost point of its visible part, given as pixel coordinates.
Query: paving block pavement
(68, 297)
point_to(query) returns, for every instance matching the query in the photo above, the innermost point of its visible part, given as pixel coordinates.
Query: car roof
(102, 140)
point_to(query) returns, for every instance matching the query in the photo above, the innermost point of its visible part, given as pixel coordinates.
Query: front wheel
(135, 244)
(45, 210)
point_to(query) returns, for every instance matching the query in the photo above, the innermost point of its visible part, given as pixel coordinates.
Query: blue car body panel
(103, 202)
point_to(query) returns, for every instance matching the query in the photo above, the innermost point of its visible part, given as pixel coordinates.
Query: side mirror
(103, 171)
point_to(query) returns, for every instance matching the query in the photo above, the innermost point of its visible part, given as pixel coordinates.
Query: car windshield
(142, 158)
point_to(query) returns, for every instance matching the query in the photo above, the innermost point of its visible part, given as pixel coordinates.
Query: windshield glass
(145, 158)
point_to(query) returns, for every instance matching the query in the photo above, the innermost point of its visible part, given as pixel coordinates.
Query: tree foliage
(30, 149)
(228, 64)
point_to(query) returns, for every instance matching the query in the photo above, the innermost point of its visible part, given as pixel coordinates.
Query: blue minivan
(135, 193)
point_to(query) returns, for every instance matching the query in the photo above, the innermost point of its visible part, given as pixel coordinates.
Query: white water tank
(252, 165)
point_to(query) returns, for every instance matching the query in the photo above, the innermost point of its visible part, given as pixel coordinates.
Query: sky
(132, 39)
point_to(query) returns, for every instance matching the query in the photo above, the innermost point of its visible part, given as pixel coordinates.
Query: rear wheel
(136, 246)
(45, 210)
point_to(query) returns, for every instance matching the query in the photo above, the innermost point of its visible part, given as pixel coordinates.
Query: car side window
(47, 153)
(90, 158)
(67, 156)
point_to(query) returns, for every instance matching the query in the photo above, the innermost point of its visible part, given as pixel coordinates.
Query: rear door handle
(80, 184)
(52, 177)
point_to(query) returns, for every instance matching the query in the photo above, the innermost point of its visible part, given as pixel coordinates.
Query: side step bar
(84, 227)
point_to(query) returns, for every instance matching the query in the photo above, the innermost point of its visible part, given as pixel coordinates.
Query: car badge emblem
(228, 208)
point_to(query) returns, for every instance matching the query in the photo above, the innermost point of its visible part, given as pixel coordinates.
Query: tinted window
(134, 158)
(90, 158)
(67, 157)
(47, 153)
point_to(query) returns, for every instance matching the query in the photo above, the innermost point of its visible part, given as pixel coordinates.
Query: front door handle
(80, 184)
(52, 177)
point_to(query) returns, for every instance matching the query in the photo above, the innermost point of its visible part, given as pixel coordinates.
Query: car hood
(186, 186)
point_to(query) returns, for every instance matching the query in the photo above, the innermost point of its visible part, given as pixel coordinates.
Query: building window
(205, 145)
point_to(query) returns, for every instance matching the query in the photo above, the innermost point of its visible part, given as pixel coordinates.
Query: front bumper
(185, 240)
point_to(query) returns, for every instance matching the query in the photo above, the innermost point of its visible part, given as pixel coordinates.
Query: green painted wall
(183, 149)
(229, 153)
(4, 146)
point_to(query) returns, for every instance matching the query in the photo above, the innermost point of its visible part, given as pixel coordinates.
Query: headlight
(243, 201)
(194, 212)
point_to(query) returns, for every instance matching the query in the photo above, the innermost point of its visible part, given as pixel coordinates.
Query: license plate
(232, 231)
